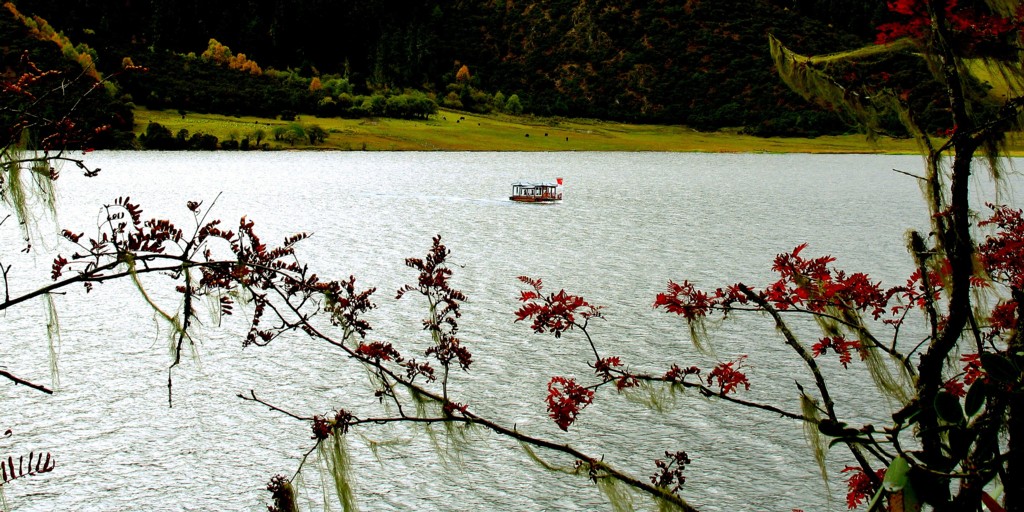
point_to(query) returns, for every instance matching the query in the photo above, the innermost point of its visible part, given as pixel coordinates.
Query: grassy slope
(451, 131)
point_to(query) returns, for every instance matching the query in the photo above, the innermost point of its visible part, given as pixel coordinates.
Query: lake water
(628, 224)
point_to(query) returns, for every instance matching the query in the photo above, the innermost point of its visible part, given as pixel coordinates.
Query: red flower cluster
(686, 300)
(972, 26)
(804, 283)
(445, 305)
(557, 312)
(955, 388)
(729, 376)
(1003, 253)
(678, 374)
(606, 369)
(840, 345)
(670, 473)
(566, 399)
(972, 368)
(860, 486)
(379, 351)
(920, 290)
(810, 283)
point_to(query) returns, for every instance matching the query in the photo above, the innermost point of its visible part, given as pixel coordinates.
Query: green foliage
(159, 137)
(703, 64)
(513, 105)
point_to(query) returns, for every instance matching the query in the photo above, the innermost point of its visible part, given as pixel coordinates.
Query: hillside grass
(458, 131)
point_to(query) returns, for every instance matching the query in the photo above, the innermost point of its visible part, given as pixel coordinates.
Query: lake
(629, 223)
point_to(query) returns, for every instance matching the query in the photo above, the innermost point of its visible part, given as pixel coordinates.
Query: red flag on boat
(559, 181)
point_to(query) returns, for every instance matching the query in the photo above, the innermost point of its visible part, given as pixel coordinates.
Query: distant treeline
(702, 63)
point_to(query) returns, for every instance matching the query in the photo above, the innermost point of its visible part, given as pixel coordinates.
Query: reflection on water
(629, 223)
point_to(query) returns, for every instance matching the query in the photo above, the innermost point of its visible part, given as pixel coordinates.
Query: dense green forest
(699, 63)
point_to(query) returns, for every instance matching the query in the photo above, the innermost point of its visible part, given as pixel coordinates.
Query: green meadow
(458, 131)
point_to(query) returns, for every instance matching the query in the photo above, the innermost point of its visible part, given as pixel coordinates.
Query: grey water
(629, 222)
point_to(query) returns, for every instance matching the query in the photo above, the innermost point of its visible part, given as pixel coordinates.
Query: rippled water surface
(628, 224)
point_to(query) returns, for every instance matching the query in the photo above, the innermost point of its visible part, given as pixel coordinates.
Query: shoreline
(458, 131)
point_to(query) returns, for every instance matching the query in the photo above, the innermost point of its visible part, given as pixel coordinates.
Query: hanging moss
(569, 470)
(53, 337)
(809, 409)
(897, 388)
(619, 497)
(810, 77)
(335, 464)
(26, 195)
(657, 398)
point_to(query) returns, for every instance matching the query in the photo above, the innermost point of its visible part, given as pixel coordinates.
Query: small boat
(527, 192)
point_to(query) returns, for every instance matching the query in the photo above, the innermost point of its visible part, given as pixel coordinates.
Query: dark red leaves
(670, 471)
(324, 427)
(678, 375)
(805, 284)
(72, 237)
(58, 267)
(346, 304)
(971, 26)
(445, 305)
(955, 388)
(566, 399)
(1002, 255)
(379, 351)
(321, 428)
(450, 408)
(607, 369)
(557, 313)
(728, 376)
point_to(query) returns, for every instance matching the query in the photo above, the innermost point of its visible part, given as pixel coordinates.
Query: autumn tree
(964, 407)
(221, 54)
(462, 75)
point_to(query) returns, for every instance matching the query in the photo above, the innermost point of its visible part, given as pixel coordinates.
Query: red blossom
(972, 368)
(379, 351)
(670, 472)
(450, 408)
(604, 367)
(677, 374)
(955, 387)
(566, 399)
(58, 267)
(1002, 253)
(557, 312)
(969, 25)
(1003, 317)
(838, 344)
(860, 486)
(321, 428)
(729, 376)
(414, 368)
(812, 284)
(684, 299)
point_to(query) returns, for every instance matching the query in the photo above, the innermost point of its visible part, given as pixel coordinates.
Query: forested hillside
(703, 63)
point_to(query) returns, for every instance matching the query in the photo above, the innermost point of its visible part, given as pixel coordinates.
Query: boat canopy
(527, 188)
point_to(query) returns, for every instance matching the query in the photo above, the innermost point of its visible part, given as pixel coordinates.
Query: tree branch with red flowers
(954, 417)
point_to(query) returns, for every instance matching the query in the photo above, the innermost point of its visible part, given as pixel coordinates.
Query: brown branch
(11, 377)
